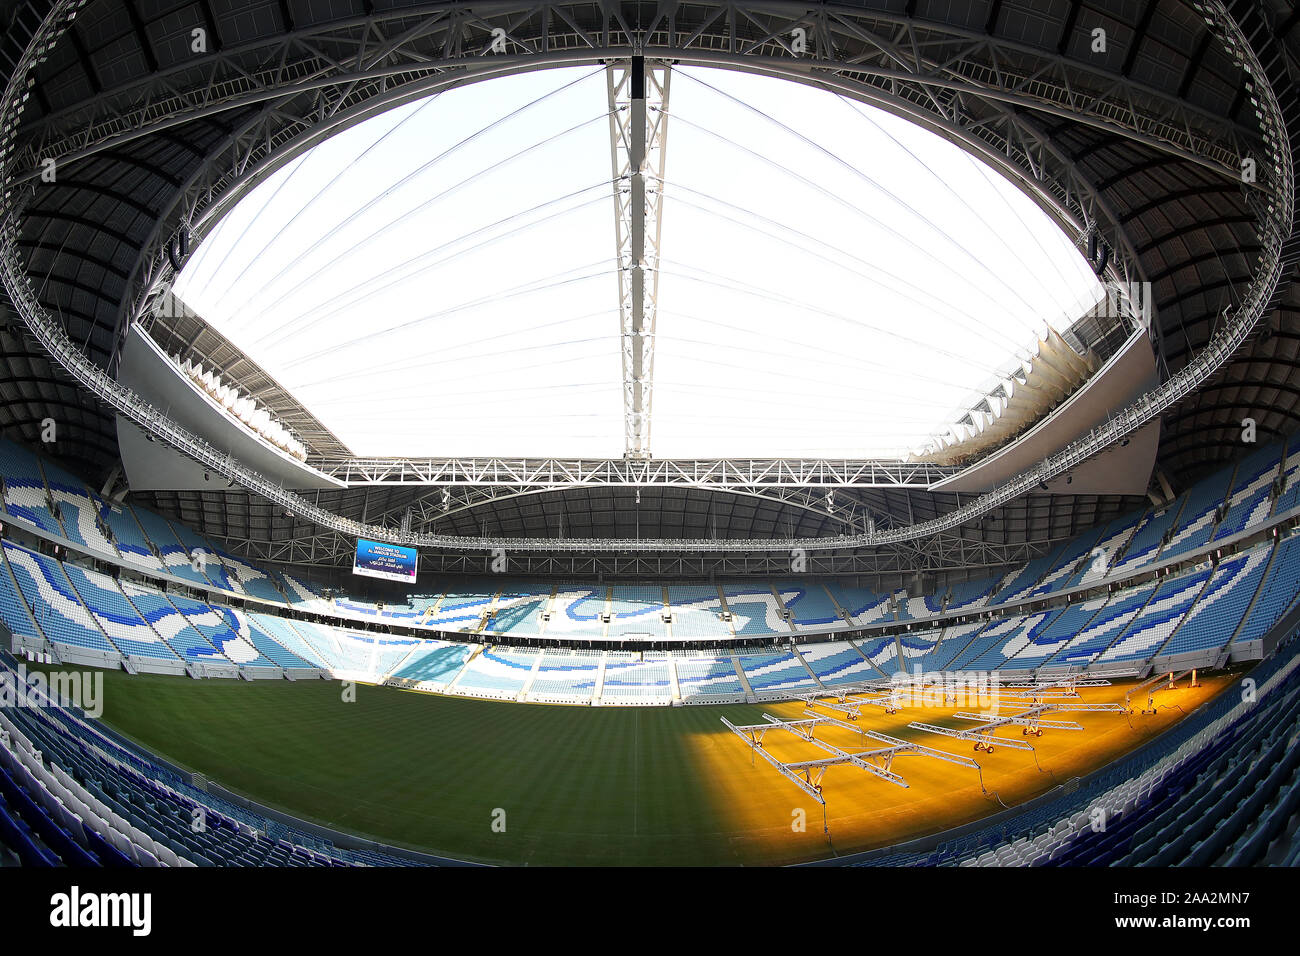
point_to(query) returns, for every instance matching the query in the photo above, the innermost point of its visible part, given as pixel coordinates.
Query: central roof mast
(638, 118)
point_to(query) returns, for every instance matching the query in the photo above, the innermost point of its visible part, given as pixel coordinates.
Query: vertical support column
(638, 103)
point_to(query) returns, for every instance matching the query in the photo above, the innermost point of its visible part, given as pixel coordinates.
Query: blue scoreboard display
(389, 561)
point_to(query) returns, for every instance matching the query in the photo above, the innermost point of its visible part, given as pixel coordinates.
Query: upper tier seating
(1290, 497)
(178, 560)
(636, 609)
(971, 595)
(25, 495)
(864, 606)
(1196, 523)
(1250, 501)
(519, 611)
(129, 537)
(462, 608)
(1148, 537)
(1023, 582)
(78, 510)
(1069, 562)
(197, 545)
(247, 579)
(302, 594)
(754, 610)
(578, 612)
(697, 612)
(810, 605)
(919, 607)
(1100, 560)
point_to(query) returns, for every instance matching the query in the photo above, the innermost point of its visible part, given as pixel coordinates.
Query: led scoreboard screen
(389, 561)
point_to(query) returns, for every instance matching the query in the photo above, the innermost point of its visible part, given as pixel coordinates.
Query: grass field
(583, 785)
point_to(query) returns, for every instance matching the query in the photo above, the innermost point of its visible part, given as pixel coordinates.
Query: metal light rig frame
(807, 774)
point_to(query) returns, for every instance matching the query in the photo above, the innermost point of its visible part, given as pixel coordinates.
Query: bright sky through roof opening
(442, 280)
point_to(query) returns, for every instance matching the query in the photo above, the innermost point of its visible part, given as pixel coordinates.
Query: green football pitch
(578, 785)
(513, 783)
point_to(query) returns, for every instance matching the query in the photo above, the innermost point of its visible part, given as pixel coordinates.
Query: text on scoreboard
(393, 562)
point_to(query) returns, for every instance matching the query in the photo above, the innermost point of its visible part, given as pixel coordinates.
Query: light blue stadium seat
(286, 635)
(809, 603)
(776, 672)
(837, 662)
(436, 662)
(566, 676)
(644, 680)
(707, 676)
(171, 625)
(177, 560)
(1250, 501)
(1151, 628)
(497, 671)
(636, 609)
(260, 637)
(1106, 625)
(116, 616)
(1217, 612)
(57, 609)
(1278, 593)
(25, 494)
(696, 611)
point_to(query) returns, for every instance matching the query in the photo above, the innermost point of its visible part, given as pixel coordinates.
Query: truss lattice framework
(315, 82)
(721, 473)
(942, 63)
(638, 138)
(807, 774)
(974, 88)
(944, 552)
(427, 510)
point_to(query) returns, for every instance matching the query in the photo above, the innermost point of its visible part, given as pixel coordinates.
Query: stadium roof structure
(130, 128)
(831, 280)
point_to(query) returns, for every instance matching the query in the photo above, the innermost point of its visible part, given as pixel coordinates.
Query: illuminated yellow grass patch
(864, 811)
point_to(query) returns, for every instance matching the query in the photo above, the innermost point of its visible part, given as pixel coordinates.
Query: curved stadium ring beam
(961, 84)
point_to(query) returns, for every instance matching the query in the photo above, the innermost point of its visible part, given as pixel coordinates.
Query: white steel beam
(755, 747)
(638, 118)
(984, 739)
